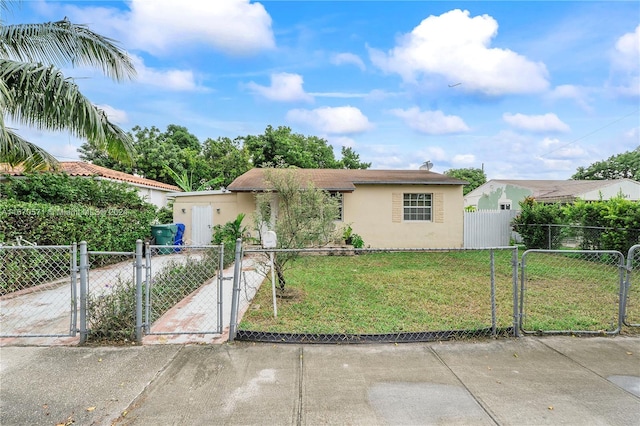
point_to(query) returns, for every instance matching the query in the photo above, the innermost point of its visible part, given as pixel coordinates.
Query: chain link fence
(555, 237)
(340, 295)
(111, 297)
(632, 286)
(38, 291)
(571, 292)
(315, 295)
(183, 289)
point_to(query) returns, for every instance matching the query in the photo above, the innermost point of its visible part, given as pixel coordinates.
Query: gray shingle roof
(346, 179)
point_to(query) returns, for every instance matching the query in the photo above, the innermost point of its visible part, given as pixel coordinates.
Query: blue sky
(527, 90)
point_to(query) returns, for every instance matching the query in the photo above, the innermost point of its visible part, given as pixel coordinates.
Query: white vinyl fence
(489, 228)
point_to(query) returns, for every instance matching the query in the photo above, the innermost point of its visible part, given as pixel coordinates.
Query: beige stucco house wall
(372, 205)
(375, 212)
(224, 207)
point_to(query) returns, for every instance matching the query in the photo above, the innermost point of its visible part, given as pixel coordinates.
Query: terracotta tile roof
(346, 179)
(80, 168)
(558, 190)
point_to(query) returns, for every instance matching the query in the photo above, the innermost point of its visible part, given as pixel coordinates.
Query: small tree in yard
(300, 214)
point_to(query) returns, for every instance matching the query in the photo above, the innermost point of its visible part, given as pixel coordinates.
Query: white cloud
(576, 93)
(625, 77)
(235, 27)
(627, 50)
(177, 80)
(536, 123)
(633, 133)
(433, 153)
(463, 160)
(341, 95)
(284, 87)
(555, 149)
(348, 58)
(333, 120)
(457, 47)
(232, 26)
(117, 116)
(431, 122)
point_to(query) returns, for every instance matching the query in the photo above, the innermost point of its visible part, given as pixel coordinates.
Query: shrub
(105, 229)
(112, 316)
(531, 221)
(227, 235)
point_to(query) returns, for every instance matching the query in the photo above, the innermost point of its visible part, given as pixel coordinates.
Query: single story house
(506, 194)
(388, 208)
(150, 190)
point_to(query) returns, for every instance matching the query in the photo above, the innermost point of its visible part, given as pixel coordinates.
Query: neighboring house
(499, 194)
(150, 190)
(388, 208)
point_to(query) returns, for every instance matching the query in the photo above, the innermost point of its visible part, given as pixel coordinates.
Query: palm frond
(16, 151)
(63, 43)
(41, 97)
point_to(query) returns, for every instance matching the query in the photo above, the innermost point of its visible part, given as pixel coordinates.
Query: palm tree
(35, 93)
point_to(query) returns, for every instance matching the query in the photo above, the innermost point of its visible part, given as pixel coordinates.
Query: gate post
(220, 288)
(74, 289)
(516, 308)
(233, 321)
(139, 291)
(84, 285)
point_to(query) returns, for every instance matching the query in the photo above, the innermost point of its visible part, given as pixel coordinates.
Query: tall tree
(474, 176)
(282, 146)
(351, 160)
(34, 92)
(159, 155)
(303, 217)
(226, 158)
(625, 165)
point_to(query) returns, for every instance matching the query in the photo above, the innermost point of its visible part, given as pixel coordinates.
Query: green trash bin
(165, 236)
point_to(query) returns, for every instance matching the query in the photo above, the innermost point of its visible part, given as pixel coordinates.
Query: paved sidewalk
(527, 381)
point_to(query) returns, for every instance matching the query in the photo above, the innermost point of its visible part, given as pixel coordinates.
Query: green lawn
(434, 291)
(569, 292)
(386, 293)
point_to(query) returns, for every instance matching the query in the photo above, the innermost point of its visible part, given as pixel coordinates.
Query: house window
(505, 206)
(338, 196)
(417, 207)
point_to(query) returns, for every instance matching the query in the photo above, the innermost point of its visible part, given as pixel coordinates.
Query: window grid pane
(417, 207)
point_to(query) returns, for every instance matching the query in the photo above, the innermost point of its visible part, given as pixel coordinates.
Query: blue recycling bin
(179, 234)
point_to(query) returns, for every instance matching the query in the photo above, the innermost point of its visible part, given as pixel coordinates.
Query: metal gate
(631, 316)
(572, 291)
(107, 299)
(183, 289)
(38, 291)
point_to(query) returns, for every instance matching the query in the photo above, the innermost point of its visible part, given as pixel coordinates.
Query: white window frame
(505, 206)
(417, 207)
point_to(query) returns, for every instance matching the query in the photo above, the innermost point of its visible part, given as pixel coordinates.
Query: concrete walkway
(526, 381)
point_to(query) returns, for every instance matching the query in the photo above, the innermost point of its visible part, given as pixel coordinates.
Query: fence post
(147, 286)
(235, 299)
(516, 308)
(493, 292)
(74, 289)
(84, 270)
(139, 291)
(220, 288)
